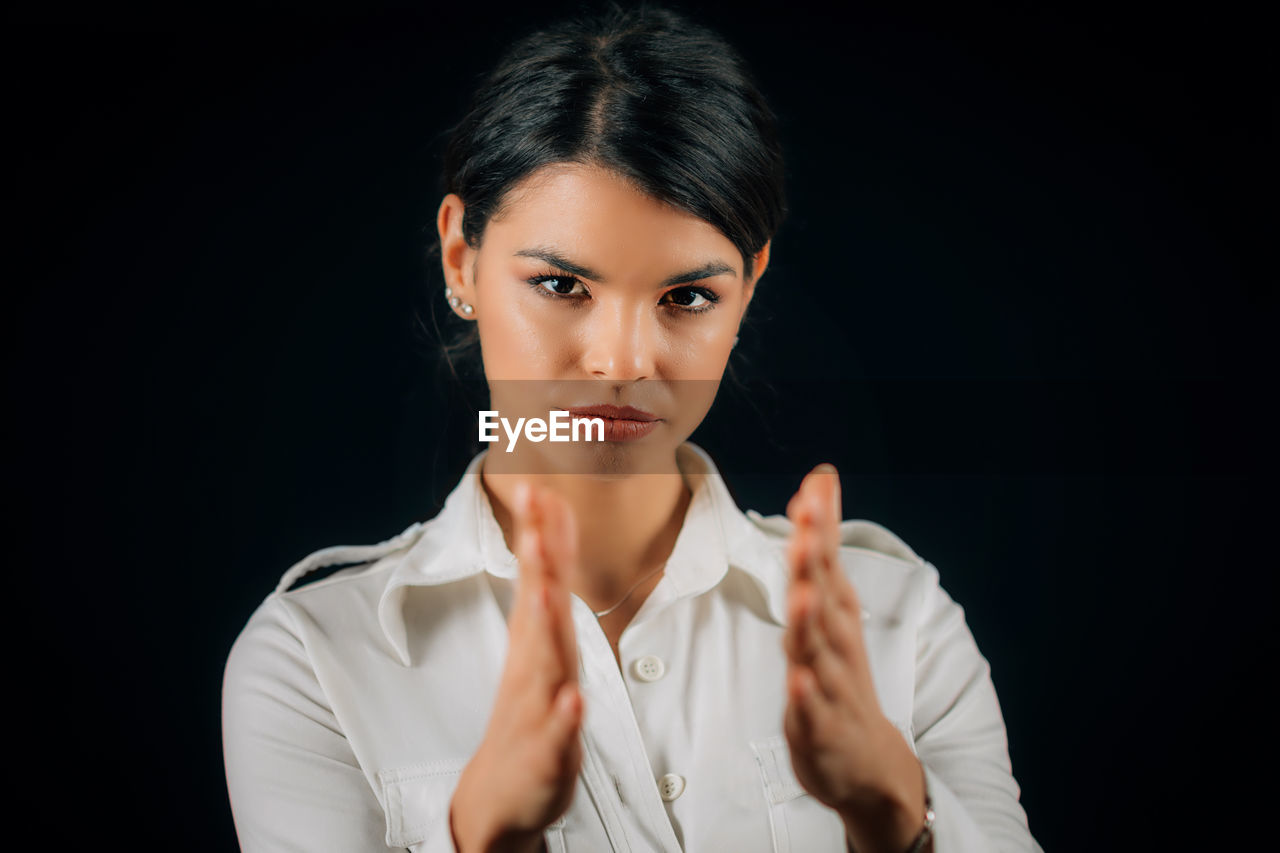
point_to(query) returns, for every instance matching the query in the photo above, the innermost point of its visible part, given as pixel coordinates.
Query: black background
(1019, 289)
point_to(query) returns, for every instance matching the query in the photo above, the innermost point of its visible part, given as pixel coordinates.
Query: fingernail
(827, 468)
(522, 496)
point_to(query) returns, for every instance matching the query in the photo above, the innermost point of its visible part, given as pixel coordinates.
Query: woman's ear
(759, 261)
(455, 254)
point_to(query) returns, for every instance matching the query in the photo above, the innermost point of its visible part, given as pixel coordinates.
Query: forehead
(588, 209)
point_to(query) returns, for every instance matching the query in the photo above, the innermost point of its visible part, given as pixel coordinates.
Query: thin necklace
(600, 613)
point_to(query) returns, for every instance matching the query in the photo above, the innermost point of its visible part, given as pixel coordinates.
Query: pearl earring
(735, 342)
(454, 301)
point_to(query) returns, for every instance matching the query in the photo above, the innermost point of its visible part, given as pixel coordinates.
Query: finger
(803, 592)
(841, 616)
(535, 542)
(808, 715)
(526, 572)
(808, 642)
(548, 641)
(838, 629)
(798, 639)
(566, 716)
(806, 600)
(834, 658)
(813, 512)
(823, 635)
(814, 627)
(557, 735)
(561, 538)
(798, 509)
(562, 556)
(823, 496)
(826, 506)
(538, 641)
(822, 481)
(535, 518)
(800, 552)
(805, 560)
(834, 624)
(822, 591)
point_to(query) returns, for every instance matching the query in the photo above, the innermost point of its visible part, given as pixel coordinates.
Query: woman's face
(587, 292)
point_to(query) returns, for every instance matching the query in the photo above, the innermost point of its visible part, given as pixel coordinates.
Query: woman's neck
(627, 527)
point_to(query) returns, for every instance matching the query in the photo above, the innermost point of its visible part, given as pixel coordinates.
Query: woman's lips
(621, 423)
(625, 413)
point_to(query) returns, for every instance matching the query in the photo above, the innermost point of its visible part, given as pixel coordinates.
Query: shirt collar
(465, 539)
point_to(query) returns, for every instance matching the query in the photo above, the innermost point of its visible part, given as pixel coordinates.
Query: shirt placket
(615, 763)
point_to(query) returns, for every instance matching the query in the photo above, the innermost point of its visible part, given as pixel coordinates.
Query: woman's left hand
(844, 750)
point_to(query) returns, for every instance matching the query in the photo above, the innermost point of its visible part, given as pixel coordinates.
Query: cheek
(699, 352)
(696, 367)
(699, 394)
(513, 333)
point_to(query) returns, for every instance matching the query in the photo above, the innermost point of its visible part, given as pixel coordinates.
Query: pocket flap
(417, 800)
(773, 755)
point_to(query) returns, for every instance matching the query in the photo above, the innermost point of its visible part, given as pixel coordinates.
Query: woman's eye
(694, 299)
(555, 285)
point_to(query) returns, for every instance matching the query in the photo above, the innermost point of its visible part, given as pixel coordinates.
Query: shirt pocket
(798, 820)
(417, 801)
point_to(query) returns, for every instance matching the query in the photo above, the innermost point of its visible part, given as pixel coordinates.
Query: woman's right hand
(522, 777)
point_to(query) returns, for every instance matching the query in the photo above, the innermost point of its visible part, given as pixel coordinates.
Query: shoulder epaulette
(348, 554)
(861, 533)
(854, 533)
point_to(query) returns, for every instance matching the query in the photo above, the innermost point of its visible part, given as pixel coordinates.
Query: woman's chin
(605, 460)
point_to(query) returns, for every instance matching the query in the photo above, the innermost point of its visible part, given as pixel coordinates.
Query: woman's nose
(621, 346)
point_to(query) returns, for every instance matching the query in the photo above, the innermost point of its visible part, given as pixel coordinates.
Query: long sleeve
(293, 780)
(960, 736)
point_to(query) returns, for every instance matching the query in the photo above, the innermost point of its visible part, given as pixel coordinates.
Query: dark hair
(644, 92)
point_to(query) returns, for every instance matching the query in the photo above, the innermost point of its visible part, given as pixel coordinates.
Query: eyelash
(537, 281)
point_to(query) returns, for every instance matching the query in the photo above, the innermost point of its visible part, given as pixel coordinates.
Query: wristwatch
(925, 834)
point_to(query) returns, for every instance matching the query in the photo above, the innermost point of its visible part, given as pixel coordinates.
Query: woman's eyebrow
(555, 259)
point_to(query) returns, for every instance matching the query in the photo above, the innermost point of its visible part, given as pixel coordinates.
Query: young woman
(591, 647)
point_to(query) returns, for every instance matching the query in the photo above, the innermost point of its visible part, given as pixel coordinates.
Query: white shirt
(351, 705)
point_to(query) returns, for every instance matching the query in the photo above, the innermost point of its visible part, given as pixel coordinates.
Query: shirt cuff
(954, 829)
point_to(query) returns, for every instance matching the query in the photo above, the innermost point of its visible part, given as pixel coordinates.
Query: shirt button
(671, 786)
(649, 668)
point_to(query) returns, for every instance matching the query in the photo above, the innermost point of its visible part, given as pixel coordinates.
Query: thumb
(566, 712)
